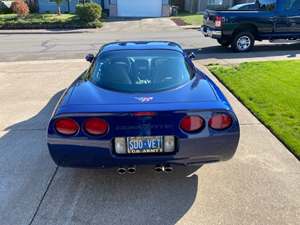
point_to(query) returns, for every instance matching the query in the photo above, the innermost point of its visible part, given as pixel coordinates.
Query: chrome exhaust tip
(159, 168)
(131, 170)
(121, 171)
(169, 169)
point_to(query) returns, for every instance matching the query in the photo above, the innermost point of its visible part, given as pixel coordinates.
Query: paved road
(260, 185)
(20, 47)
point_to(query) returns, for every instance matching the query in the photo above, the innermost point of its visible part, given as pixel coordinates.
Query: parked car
(273, 19)
(5, 7)
(142, 103)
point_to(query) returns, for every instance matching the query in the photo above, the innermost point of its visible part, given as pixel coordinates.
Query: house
(200, 6)
(116, 8)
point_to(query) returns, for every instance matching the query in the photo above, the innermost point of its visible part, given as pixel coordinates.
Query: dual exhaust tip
(132, 169)
(129, 170)
(161, 168)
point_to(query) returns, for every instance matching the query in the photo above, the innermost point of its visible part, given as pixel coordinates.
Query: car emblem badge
(144, 99)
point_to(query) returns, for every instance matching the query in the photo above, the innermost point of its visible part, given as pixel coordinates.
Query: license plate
(143, 145)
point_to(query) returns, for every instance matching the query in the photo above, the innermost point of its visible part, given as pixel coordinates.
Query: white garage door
(139, 8)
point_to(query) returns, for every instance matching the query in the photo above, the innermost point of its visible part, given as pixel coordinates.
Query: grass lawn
(189, 18)
(271, 90)
(12, 21)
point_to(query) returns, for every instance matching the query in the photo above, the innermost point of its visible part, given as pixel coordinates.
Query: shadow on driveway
(81, 196)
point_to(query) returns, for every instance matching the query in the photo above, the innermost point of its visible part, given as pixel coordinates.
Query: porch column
(165, 11)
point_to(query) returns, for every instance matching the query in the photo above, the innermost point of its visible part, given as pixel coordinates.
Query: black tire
(243, 41)
(224, 43)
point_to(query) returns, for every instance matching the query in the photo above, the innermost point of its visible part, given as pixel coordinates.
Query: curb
(38, 62)
(46, 31)
(211, 59)
(192, 27)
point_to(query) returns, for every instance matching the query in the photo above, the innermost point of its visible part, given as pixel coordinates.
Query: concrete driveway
(260, 185)
(140, 25)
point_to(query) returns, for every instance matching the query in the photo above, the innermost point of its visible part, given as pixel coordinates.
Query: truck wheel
(243, 42)
(224, 43)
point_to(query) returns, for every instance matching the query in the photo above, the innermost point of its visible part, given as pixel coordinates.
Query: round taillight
(66, 126)
(220, 121)
(192, 124)
(96, 126)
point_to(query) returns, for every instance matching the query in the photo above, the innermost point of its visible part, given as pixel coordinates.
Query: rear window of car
(244, 7)
(140, 71)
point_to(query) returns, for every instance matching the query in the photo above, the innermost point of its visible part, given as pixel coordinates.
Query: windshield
(140, 70)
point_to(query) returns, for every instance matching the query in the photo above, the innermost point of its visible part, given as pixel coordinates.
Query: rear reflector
(96, 126)
(66, 126)
(220, 121)
(192, 124)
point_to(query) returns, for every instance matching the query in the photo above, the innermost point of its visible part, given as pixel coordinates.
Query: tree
(58, 3)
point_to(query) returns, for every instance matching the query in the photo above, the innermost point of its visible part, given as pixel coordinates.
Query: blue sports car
(142, 103)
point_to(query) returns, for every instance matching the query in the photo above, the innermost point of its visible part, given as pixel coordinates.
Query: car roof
(142, 45)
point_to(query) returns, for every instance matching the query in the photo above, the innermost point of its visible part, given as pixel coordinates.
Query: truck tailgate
(209, 18)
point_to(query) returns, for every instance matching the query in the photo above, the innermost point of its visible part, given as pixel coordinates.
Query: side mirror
(89, 57)
(192, 55)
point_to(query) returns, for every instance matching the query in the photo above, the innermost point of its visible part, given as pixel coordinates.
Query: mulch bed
(179, 22)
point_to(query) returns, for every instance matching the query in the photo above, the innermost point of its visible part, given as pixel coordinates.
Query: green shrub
(88, 12)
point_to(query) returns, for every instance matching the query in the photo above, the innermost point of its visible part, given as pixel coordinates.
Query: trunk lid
(121, 110)
(87, 93)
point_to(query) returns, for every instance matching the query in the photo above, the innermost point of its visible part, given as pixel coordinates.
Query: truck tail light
(218, 21)
(220, 121)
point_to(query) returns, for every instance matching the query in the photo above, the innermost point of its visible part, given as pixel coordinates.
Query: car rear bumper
(211, 32)
(191, 151)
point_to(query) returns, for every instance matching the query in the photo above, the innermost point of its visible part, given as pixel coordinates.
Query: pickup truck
(272, 19)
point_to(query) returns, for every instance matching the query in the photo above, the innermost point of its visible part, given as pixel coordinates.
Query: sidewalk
(231, 58)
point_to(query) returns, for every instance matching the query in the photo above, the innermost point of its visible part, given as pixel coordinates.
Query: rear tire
(243, 41)
(224, 43)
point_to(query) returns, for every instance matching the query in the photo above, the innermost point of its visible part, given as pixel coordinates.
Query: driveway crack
(47, 46)
(43, 197)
